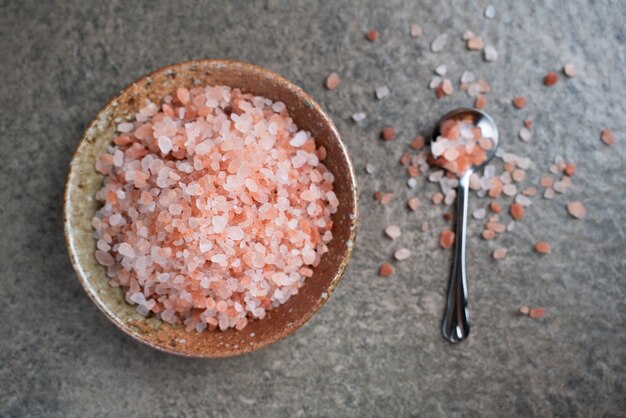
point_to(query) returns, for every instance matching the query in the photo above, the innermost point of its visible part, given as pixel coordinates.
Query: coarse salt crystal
(393, 231)
(358, 117)
(490, 53)
(439, 43)
(479, 213)
(382, 92)
(299, 139)
(402, 254)
(490, 12)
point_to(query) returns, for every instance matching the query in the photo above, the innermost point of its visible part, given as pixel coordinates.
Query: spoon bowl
(456, 324)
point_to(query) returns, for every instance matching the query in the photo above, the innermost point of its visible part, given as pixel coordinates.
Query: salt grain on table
(467, 35)
(386, 198)
(549, 193)
(467, 77)
(542, 247)
(416, 30)
(490, 12)
(569, 70)
(332, 81)
(413, 203)
(358, 117)
(607, 136)
(402, 254)
(370, 168)
(476, 43)
(537, 313)
(518, 175)
(446, 239)
(393, 231)
(385, 270)
(525, 134)
(439, 43)
(479, 213)
(441, 70)
(509, 190)
(576, 210)
(490, 53)
(382, 92)
(499, 253)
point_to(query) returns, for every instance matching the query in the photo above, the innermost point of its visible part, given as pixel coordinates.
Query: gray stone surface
(375, 348)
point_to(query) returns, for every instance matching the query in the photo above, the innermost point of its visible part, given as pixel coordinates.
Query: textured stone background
(375, 349)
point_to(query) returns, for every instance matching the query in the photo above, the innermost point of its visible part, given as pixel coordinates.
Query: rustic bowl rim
(303, 319)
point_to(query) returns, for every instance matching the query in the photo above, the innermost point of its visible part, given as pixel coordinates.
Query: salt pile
(216, 207)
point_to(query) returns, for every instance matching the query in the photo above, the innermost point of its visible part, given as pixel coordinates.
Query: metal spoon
(456, 325)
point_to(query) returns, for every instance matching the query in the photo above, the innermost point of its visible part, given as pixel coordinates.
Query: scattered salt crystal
(525, 134)
(570, 70)
(439, 43)
(473, 90)
(467, 77)
(412, 182)
(510, 226)
(441, 70)
(490, 12)
(402, 254)
(509, 189)
(479, 213)
(393, 231)
(549, 193)
(435, 82)
(449, 197)
(576, 210)
(523, 200)
(370, 168)
(382, 92)
(358, 117)
(490, 53)
(499, 253)
(467, 35)
(416, 30)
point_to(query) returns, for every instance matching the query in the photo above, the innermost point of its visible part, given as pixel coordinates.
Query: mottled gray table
(375, 348)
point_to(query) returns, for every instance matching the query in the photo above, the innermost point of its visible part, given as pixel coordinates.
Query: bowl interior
(83, 182)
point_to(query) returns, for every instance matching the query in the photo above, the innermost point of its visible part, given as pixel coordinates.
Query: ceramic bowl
(80, 206)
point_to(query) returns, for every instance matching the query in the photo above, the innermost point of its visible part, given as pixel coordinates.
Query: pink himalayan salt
(215, 208)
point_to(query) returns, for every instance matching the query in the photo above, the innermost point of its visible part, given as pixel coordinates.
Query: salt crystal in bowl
(80, 205)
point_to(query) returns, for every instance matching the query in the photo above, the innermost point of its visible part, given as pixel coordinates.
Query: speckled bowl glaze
(80, 206)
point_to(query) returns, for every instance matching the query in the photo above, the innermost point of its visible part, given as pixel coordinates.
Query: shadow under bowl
(80, 205)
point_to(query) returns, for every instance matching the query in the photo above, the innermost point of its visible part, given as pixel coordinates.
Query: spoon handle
(456, 320)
